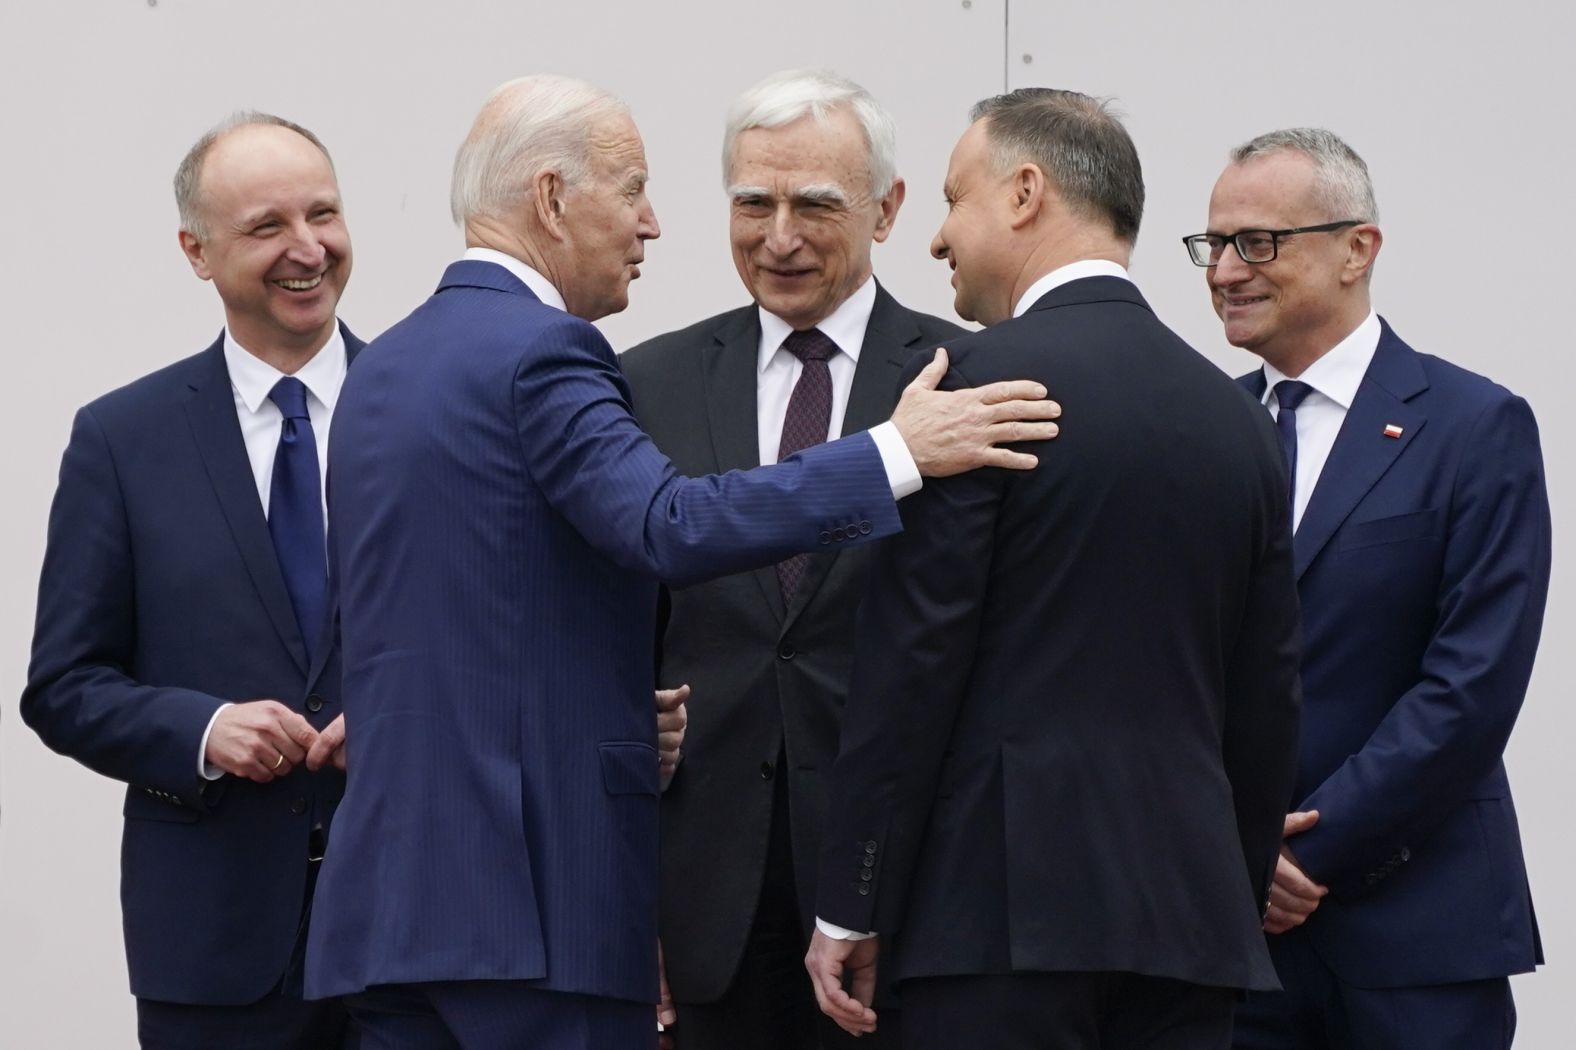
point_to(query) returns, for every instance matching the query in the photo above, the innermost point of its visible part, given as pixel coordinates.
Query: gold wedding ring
(279, 762)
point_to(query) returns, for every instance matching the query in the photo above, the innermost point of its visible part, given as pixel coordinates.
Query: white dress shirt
(251, 381)
(1334, 378)
(1056, 278)
(901, 471)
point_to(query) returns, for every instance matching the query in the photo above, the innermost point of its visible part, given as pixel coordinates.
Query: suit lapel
(889, 337)
(1362, 452)
(728, 368)
(211, 413)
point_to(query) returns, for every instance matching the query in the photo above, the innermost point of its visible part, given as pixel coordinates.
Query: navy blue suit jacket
(1423, 565)
(161, 599)
(499, 525)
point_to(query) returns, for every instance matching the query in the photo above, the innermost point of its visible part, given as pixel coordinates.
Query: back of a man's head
(526, 126)
(1078, 143)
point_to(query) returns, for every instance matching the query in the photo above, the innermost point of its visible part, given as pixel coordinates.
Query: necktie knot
(810, 346)
(1289, 393)
(290, 395)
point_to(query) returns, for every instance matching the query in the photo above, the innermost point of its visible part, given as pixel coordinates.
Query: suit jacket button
(867, 875)
(767, 770)
(864, 889)
(314, 703)
(1406, 854)
(864, 528)
(785, 652)
(298, 805)
(870, 847)
(869, 861)
(1371, 879)
(826, 537)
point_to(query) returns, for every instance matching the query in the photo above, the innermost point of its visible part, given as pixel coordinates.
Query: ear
(889, 206)
(1362, 248)
(195, 255)
(1029, 191)
(547, 199)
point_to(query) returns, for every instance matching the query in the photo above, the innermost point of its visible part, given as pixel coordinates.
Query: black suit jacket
(1071, 728)
(763, 676)
(160, 599)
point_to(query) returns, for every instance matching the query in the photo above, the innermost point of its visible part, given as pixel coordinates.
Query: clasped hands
(1293, 895)
(262, 740)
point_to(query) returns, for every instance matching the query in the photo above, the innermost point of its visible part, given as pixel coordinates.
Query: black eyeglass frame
(1235, 240)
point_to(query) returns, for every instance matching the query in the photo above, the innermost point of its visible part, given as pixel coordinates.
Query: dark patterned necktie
(806, 423)
(295, 511)
(1289, 394)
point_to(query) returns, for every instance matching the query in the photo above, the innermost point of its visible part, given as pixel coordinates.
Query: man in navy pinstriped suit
(499, 524)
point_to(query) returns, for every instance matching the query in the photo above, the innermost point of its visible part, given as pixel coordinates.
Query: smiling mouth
(299, 284)
(1245, 300)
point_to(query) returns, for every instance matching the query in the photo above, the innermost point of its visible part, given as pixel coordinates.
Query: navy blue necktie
(806, 423)
(1289, 393)
(295, 511)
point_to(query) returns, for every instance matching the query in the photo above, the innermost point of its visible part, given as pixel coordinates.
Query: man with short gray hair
(810, 174)
(500, 523)
(1400, 902)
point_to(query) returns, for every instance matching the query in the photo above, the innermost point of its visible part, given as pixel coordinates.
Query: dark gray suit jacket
(763, 676)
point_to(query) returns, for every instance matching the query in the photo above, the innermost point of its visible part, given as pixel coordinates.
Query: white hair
(527, 126)
(1341, 181)
(785, 97)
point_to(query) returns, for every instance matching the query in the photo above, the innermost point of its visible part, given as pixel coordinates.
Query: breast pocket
(1398, 528)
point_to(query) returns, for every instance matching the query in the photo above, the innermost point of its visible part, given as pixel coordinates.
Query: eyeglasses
(1253, 246)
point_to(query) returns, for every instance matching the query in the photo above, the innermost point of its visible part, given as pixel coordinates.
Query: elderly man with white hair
(809, 167)
(498, 526)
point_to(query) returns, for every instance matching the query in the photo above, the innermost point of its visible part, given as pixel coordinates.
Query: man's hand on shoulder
(259, 740)
(952, 431)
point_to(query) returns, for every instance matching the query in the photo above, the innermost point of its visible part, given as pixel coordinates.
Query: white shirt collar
(1339, 373)
(540, 286)
(254, 378)
(845, 326)
(1073, 271)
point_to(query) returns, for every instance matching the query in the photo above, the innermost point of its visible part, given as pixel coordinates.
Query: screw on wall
(1028, 59)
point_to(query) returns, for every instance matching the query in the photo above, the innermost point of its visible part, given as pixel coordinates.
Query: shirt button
(314, 703)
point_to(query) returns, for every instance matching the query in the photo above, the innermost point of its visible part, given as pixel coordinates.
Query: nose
(306, 247)
(648, 230)
(938, 246)
(782, 233)
(1229, 269)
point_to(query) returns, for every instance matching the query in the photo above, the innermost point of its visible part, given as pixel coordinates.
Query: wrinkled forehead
(615, 144)
(1278, 189)
(829, 154)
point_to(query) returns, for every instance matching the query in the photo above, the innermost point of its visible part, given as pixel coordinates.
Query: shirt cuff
(837, 933)
(901, 470)
(205, 769)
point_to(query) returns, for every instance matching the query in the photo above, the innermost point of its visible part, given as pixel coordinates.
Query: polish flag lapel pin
(1391, 430)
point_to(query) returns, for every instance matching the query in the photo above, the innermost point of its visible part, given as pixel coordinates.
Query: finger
(291, 735)
(1012, 432)
(930, 376)
(670, 699)
(666, 1015)
(1008, 459)
(672, 721)
(338, 758)
(1013, 390)
(1297, 823)
(1027, 410)
(1290, 904)
(1288, 877)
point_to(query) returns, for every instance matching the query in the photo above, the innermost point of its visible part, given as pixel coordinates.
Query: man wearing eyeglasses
(1400, 902)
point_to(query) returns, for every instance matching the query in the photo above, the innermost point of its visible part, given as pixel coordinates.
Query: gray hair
(188, 177)
(1077, 142)
(1342, 186)
(786, 96)
(528, 125)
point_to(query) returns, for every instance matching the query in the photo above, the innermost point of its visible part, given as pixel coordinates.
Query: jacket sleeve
(81, 697)
(600, 470)
(1449, 730)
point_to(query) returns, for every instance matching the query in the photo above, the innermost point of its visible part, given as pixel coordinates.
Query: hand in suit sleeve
(1449, 731)
(1263, 697)
(918, 628)
(600, 471)
(80, 697)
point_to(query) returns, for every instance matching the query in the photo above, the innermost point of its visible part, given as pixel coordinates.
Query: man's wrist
(837, 933)
(901, 470)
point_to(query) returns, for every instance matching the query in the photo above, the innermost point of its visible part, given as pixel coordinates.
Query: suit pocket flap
(1413, 526)
(142, 805)
(629, 769)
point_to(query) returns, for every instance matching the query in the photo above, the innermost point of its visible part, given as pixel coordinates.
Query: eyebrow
(817, 191)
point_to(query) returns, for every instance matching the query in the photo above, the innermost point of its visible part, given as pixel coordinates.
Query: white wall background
(1462, 111)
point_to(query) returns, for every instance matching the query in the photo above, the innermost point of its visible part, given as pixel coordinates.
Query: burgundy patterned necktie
(806, 423)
